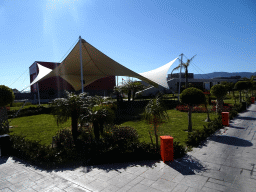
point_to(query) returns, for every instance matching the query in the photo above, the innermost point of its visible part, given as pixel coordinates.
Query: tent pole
(38, 89)
(81, 63)
(180, 76)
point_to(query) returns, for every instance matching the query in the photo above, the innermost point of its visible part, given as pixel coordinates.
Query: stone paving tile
(151, 174)
(98, 185)
(147, 182)
(18, 178)
(195, 181)
(5, 190)
(122, 179)
(110, 188)
(178, 178)
(227, 184)
(4, 184)
(55, 189)
(136, 180)
(180, 188)
(191, 189)
(76, 188)
(206, 189)
(163, 185)
(141, 187)
(231, 170)
(136, 170)
(215, 186)
(125, 188)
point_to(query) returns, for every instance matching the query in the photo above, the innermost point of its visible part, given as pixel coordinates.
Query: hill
(223, 74)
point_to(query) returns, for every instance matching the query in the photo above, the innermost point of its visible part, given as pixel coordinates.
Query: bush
(30, 111)
(198, 136)
(64, 139)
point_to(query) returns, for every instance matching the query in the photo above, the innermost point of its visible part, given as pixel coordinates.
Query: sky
(142, 35)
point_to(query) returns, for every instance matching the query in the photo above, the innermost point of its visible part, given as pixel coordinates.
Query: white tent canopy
(97, 65)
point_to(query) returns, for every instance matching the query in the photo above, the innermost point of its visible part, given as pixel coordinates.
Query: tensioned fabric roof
(97, 65)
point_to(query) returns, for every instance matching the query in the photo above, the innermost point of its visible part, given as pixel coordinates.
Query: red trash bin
(252, 99)
(166, 148)
(225, 118)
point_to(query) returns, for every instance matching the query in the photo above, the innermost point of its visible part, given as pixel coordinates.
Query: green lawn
(43, 127)
(38, 127)
(175, 127)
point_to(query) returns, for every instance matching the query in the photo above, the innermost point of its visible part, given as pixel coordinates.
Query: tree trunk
(186, 85)
(240, 96)
(208, 115)
(219, 106)
(129, 95)
(155, 129)
(74, 119)
(96, 130)
(190, 107)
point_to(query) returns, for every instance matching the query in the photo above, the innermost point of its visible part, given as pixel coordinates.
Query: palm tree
(71, 107)
(155, 113)
(185, 65)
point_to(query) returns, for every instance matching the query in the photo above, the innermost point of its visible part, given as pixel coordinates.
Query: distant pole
(81, 63)
(38, 88)
(180, 75)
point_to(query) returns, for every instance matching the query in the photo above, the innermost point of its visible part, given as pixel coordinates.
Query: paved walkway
(225, 163)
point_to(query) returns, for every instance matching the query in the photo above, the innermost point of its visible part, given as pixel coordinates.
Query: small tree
(6, 97)
(71, 107)
(192, 96)
(241, 85)
(219, 91)
(155, 113)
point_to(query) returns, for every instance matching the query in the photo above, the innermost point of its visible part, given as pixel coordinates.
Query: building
(174, 82)
(55, 86)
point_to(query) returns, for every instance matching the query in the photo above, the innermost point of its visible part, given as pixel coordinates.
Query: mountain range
(223, 74)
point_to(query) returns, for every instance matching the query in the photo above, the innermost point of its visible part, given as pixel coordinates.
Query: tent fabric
(159, 75)
(97, 65)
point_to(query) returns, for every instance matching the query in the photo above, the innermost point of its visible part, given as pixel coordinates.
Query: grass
(38, 127)
(176, 127)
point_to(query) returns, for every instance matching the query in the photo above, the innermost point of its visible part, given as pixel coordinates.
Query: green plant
(64, 139)
(192, 96)
(72, 106)
(241, 85)
(219, 91)
(155, 113)
(185, 65)
(6, 97)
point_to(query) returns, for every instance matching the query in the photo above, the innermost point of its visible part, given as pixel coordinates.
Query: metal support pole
(38, 88)
(81, 63)
(180, 75)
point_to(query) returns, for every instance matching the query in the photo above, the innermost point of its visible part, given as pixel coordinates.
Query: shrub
(198, 136)
(30, 111)
(64, 139)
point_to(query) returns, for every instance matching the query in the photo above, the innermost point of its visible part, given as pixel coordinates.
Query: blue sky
(139, 34)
